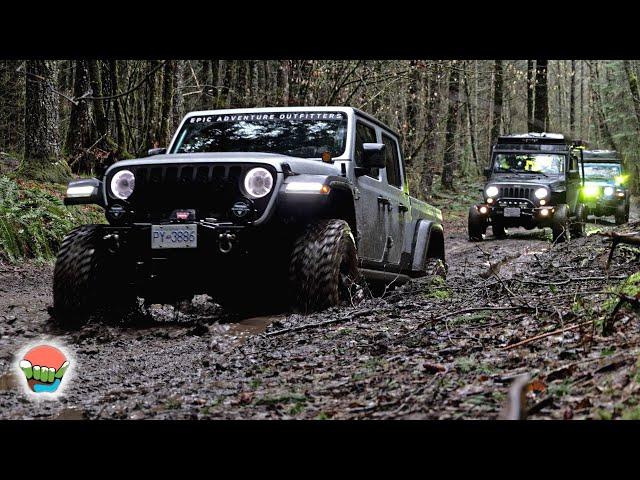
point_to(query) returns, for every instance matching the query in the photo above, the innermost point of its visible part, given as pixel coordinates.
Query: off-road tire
(577, 226)
(84, 280)
(476, 225)
(498, 230)
(622, 214)
(323, 270)
(560, 224)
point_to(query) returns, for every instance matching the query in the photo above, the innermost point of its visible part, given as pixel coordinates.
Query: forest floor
(427, 350)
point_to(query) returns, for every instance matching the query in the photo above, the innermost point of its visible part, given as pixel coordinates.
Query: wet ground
(428, 350)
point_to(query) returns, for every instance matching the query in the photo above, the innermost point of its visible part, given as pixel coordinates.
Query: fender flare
(428, 239)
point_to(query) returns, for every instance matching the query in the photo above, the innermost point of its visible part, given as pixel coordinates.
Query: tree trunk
(472, 137)
(433, 108)
(603, 126)
(99, 113)
(79, 131)
(151, 129)
(633, 87)
(117, 113)
(41, 137)
(572, 100)
(541, 110)
(177, 109)
(167, 102)
(409, 127)
(497, 101)
(530, 87)
(449, 158)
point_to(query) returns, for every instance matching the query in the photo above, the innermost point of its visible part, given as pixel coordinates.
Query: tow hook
(225, 242)
(113, 242)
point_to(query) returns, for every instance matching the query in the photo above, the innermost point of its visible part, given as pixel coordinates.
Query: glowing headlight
(591, 190)
(258, 182)
(608, 191)
(492, 191)
(122, 184)
(541, 193)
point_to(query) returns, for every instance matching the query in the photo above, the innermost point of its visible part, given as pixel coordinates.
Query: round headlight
(492, 191)
(608, 191)
(258, 182)
(122, 184)
(541, 193)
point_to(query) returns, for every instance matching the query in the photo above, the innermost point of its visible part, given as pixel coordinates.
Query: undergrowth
(33, 219)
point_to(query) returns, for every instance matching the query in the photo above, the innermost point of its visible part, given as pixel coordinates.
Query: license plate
(511, 212)
(174, 236)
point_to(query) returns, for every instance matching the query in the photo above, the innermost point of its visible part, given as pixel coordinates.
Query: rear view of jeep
(534, 181)
(605, 191)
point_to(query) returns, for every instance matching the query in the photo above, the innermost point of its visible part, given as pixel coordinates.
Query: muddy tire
(622, 214)
(498, 230)
(476, 225)
(85, 282)
(577, 226)
(560, 224)
(323, 270)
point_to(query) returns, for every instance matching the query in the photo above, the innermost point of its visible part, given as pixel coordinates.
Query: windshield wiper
(535, 173)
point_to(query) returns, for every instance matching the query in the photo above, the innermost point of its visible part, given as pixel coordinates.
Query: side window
(392, 161)
(364, 134)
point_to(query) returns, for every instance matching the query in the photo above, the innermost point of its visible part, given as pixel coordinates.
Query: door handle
(383, 201)
(403, 208)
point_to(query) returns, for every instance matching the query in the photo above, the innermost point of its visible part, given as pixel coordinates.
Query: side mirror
(85, 191)
(373, 155)
(156, 151)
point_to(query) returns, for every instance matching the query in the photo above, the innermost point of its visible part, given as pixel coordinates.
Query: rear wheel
(577, 227)
(560, 224)
(323, 269)
(477, 225)
(622, 214)
(87, 279)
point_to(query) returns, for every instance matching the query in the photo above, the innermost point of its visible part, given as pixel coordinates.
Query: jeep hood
(298, 165)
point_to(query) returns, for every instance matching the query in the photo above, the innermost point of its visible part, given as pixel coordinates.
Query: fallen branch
(548, 334)
(617, 238)
(307, 326)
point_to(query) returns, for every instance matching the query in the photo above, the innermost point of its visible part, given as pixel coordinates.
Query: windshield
(601, 171)
(545, 163)
(299, 134)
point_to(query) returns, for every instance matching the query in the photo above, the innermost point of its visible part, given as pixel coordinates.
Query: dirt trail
(406, 355)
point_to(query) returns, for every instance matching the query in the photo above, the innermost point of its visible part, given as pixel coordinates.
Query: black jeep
(291, 205)
(534, 182)
(605, 191)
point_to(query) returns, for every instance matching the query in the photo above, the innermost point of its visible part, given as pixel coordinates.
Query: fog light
(483, 210)
(620, 194)
(544, 212)
(543, 202)
(489, 200)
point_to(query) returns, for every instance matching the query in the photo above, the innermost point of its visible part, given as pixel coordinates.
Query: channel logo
(44, 367)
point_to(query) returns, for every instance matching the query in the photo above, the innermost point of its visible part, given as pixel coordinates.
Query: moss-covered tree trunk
(497, 101)
(530, 87)
(167, 101)
(449, 159)
(572, 100)
(41, 122)
(79, 130)
(541, 109)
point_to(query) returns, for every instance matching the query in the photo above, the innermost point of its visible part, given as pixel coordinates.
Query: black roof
(602, 156)
(533, 138)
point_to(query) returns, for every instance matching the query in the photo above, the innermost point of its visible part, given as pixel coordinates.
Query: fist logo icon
(44, 367)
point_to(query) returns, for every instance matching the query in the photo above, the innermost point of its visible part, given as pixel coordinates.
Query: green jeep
(605, 190)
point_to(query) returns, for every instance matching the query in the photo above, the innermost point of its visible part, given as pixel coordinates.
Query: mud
(421, 351)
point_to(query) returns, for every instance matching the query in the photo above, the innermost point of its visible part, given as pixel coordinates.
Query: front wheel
(86, 280)
(622, 214)
(324, 266)
(578, 226)
(560, 224)
(476, 225)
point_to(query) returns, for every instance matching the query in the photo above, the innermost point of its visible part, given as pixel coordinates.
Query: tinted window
(299, 134)
(364, 134)
(392, 161)
(529, 163)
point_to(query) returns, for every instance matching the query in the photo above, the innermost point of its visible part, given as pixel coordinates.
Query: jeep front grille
(515, 192)
(210, 188)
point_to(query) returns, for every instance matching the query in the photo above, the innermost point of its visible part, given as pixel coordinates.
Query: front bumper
(529, 216)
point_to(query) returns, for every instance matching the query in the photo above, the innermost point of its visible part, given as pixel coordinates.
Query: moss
(54, 171)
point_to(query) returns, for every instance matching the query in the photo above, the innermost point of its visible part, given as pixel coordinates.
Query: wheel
(87, 279)
(323, 270)
(622, 214)
(577, 227)
(498, 230)
(560, 224)
(477, 225)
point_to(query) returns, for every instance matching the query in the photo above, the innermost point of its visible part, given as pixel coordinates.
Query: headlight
(492, 191)
(122, 184)
(258, 182)
(608, 191)
(541, 193)
(591, 190)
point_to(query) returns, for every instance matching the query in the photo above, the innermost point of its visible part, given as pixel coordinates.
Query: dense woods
(80, 114)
